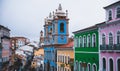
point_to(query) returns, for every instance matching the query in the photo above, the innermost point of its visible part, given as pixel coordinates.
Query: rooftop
(1, 26)
(89, 28)
(118, 2)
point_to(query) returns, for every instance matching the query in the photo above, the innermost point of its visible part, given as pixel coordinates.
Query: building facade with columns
(55, 34)
(109, 39)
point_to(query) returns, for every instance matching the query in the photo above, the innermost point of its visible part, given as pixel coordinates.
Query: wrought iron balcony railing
(115, 47)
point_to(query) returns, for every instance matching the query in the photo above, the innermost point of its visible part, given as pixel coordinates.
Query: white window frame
(109, 63)
(93, 39)
(84, 40)
(108, 14)
(105, 63)
(117, 38)
(88, 40)
(93, 67)
(116, 11)
(88, 66)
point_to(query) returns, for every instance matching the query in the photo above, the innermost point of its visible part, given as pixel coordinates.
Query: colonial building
(86, 49)
(109, 33)
(18, 42)
(65, 57)
(5, 51)
(55, 34)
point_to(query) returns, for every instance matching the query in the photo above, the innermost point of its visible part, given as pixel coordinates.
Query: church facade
(55, 34)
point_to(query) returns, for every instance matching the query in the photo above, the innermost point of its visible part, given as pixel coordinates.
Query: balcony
(110, 48)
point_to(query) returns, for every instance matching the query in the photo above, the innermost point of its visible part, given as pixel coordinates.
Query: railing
(115, 47)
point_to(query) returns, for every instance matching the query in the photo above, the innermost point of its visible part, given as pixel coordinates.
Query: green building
(86, 49)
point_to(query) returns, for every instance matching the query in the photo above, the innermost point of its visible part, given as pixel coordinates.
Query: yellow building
(38, 57)
(65, 57)
(39, 52)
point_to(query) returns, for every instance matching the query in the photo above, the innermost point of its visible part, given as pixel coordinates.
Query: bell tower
(41, 38)
(60, 26)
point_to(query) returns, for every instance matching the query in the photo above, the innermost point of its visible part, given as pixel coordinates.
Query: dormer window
(118, 12)
(109, 15)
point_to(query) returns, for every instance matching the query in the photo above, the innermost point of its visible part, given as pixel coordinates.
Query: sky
(26, 17)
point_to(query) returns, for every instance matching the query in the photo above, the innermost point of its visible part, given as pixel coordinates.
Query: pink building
(109, 38)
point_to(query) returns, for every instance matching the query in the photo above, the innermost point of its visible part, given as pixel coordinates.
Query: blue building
(55, 34)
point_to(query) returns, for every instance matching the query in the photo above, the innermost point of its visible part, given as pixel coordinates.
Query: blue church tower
(60, 26)
(56, 33)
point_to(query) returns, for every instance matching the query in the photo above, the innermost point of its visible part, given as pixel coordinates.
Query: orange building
(65, 57)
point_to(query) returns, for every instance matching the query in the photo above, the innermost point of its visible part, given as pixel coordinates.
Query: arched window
(88, 40)
(84, 39)
(77, 42)
(80, 67)
(110, 15)
(62, 27)
(118, 65)
(103, 39)
(118, 37)
(89, 67)
(118, 12)
(94, 68)
(80, 41)
(77, 66)
(94, 40)
(104, 64)
(110, 65)
(110, 39)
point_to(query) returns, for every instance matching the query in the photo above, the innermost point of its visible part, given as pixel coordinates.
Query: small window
(110, 15)
(118, 12)
(62, 27)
